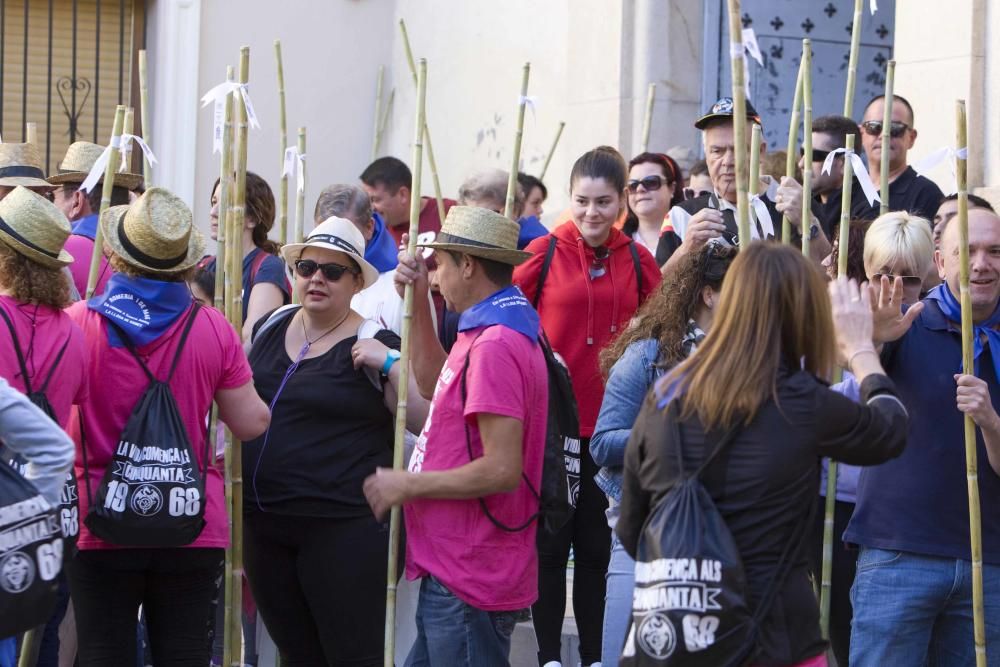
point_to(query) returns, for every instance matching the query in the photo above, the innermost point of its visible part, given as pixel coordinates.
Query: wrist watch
(391, 357)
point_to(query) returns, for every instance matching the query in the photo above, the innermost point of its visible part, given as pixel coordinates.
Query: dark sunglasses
(689, 193)
(873, 128)
(649, 184)
(818, 155)
(332, 271)
(908, 281)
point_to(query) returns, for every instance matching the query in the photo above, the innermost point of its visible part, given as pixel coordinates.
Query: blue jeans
(917, 610)
(451, 633)
(617, 603)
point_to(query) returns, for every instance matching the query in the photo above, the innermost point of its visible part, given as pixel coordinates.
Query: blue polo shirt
(919, 502)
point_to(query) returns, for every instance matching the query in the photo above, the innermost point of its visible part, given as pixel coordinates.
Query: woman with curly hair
(667, 329)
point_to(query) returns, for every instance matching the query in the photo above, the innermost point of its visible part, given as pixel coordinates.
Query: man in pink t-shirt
(478, 461)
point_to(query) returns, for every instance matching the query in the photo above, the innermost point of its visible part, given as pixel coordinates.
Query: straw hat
(21, 164)
(79, 160)
(335, 234)
(34, 227)
(480, 232)
(154, 232)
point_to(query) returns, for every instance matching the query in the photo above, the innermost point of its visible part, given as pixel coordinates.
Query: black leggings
(590, 538)
(175, 588)
(845, 566)
(319, 585)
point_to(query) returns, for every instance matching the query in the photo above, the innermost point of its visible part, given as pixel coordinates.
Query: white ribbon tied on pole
(874, 6)
(218, 95)
(741, 49)
(948, 154)
(528, 101)
(97, 171)
(295, 164)
(127, 140)
(860, 172)
(758, 210)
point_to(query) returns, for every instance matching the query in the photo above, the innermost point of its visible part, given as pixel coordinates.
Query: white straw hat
(154, 232)
(34, 227)
(335, 234)
(79, 160)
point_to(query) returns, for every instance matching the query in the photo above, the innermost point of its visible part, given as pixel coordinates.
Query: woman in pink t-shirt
(144, 312)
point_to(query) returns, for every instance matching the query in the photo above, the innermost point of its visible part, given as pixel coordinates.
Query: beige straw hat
(34, 227)
(480, 232)
(21, 164)
(335, 234)
(154, 232)
(79, 160)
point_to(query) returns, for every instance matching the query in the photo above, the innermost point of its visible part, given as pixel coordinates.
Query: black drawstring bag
(152, 493)
(690, 606)
(69, 504)
(31, 554)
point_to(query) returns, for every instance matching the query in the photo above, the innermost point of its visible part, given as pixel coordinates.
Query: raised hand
(890, 323)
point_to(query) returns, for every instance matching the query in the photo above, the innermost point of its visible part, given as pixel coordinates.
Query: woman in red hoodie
(584, 269)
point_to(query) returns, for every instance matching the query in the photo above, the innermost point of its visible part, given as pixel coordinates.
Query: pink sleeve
(495, 380)
(236, 369)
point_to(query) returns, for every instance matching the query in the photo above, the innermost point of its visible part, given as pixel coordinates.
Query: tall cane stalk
(300, 195)
(395, 515)
(753, 181)
(282, 144)
(807, 142)
(430, 147)
(109, 184)
(793, 140)
(377, 116)
(385, 115)
(971, 463)
(147, 169)
(552, 150)
(739, 122)
(31, 133)
(883, 181)
(127, 128)
(515, 161)
(852, 61)
(647, 121)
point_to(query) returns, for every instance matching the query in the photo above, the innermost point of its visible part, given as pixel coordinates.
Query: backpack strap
(276, 316)
(258, 261)
(549, 254)
(17, 351)
(195, 307)
(52, 371)
(637, 263)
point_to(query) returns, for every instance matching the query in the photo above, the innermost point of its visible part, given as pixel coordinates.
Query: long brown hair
(260, 208)
(30, 282)
(665, 314)
(774, 311)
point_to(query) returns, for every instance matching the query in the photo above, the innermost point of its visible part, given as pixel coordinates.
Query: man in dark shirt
(912, 596)
(908, 191)
(828, 134)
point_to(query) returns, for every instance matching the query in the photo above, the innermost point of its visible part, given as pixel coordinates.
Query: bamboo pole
(127, 128)
(147, 169)
(385, 115)
(515, 161)
(852, 62)
(739, 122)
(283, 144)
(30, 644)
(793, 140)
(377, 125)
(430, 148)
(300, 198)
(31, 133)
(807, 142)
(647, 121)
(971, 464)
(883, 181)
(225, 188)
(552, 151)
(404, 371)
(753, 183)
(109, 182)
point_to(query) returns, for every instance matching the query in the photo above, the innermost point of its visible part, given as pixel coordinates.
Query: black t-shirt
(909, 192)
(329, 430)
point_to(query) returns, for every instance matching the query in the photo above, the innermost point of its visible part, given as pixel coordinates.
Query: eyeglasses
(331, 271)
(873, 128)
(649, 184)
(690, 193)
(911, 282)
(817, 155)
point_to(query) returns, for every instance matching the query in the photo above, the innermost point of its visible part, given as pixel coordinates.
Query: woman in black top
(762, 370)
(315, 555)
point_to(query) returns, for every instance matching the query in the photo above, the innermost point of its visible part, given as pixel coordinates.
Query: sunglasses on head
(649, 184)
(817, 156)
(908, 281)
(331, 271)
(873, 128)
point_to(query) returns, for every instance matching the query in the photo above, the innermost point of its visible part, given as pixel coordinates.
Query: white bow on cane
(948, 154)
(295, 163)
(101, 164)
(127, 140)
(759, 211)
(860, 172)
(874, 6)
(528, 101)
(218, 95)
(740, 50)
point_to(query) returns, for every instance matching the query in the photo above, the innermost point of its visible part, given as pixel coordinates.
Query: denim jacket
(628, 382)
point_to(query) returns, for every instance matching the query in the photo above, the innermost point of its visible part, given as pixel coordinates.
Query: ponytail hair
(603, 162)
(260, 208)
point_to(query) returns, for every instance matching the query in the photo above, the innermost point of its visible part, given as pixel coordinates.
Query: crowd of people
(695, 367)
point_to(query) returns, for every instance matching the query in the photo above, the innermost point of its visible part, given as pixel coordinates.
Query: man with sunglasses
(908, 191)
(828, 134)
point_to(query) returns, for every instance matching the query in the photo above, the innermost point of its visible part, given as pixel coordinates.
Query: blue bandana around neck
(142, 308)
(381, 251)
(86, 226)
(508, 307)
(952, 310)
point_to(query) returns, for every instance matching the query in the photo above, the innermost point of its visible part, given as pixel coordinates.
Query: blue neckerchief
(508, 307)
(86, 227)
(952, 310)
(141, 307)
(381, 251)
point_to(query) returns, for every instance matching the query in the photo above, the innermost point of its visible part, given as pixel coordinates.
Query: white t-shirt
(381, 302)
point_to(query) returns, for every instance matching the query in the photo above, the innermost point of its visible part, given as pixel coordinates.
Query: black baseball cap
(724, 109)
